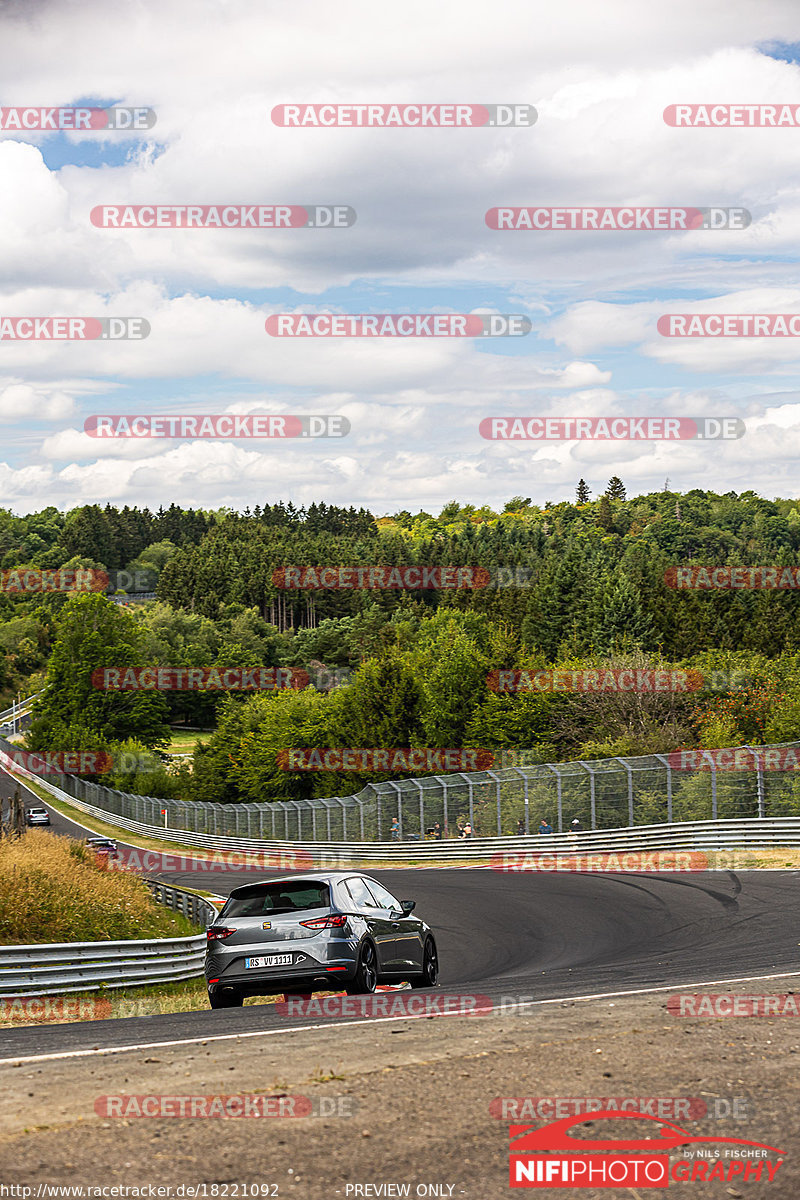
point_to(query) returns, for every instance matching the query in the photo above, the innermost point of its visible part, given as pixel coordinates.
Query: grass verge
(58, 890)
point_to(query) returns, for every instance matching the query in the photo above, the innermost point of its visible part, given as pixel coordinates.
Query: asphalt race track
(535, 936)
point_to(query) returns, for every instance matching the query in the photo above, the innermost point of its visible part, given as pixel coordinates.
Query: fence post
(591, 791)
(418, 782)
(527, 812)
(396, 787)
(344, 818)
(440, 781)
(492, 775)
(361, 815)
(666, 763)
(559, 801)
(471, 802)
(759, 781)
(630, 787)
(713, 785)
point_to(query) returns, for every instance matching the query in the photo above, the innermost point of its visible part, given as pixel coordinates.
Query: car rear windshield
(284, 897)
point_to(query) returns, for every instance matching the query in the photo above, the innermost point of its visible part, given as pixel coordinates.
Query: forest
(576, 586)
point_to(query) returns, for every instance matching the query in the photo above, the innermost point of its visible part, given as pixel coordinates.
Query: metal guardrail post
(630, 787)
(759, 781)
(586, 767)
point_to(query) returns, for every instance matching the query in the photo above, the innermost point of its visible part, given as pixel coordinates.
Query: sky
(599, 77)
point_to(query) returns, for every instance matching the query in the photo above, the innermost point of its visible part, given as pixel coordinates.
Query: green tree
(93, 633)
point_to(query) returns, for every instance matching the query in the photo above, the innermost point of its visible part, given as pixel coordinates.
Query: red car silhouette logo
(556, 1136)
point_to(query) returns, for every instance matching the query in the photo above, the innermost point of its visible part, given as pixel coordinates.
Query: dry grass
(53, 889)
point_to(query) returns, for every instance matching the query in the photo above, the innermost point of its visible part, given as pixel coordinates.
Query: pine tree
(616, 488)
(617, 616)
(604, 515)
(582, 492)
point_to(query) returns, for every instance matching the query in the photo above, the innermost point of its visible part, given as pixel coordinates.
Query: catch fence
(610, 793)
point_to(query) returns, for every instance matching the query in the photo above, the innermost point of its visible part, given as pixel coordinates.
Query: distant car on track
(103, 847)
(37, 816)
(316, 933)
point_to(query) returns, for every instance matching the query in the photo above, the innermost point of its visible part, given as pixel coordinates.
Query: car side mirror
(408, 906)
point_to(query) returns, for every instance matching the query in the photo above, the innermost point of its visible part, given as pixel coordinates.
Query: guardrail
(687, 835)
(22, 707)
(59, 968)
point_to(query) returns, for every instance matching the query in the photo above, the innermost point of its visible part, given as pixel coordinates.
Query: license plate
(270, 960)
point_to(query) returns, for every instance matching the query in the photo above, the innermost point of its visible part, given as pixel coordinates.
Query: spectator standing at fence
(437, 830)
(575, 827)
(395, 829)
(520, 826)
(467, 830)
(545, 826)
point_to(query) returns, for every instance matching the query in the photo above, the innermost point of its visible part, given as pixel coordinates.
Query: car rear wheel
(366, 977)
(430, 967)
(226, 998)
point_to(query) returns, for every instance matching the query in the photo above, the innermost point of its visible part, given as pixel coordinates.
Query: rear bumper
(265, 981)
(304, 978)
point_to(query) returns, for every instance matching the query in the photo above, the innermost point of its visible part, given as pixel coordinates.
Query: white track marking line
(231, 1037)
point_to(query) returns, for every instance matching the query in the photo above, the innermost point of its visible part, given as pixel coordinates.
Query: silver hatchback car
(315, 933)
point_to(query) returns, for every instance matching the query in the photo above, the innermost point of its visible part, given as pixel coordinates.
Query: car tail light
(334, 921)
(217, 932)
